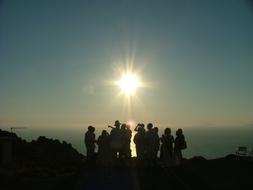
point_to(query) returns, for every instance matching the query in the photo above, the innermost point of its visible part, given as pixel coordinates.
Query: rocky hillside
(42, 152)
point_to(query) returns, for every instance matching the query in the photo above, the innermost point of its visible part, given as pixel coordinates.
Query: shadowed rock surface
(51, 164)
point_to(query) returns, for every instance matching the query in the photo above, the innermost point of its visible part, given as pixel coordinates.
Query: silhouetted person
(140, 141)
(103, 145)
(156, 143)
(115, 140)
(90, 143)
(152, 143)
(180, 144)
(128, 143)
(149, 141)
(124, 141)
(166, 152)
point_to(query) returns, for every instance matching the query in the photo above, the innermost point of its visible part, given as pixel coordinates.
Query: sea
(207, 141)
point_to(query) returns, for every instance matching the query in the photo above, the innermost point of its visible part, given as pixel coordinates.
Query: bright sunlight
(128, 84)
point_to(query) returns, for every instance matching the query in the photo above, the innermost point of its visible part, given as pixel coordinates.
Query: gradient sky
(57, 56)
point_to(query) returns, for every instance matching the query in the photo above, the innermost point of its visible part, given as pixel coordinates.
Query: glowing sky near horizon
(57, 56)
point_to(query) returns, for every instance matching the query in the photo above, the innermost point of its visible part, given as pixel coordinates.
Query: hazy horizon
(209, 142)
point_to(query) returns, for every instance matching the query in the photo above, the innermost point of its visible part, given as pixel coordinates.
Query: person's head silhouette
(104, 133)
(150, 126)
(117, 124)
(155, 129)
(123, 126)
(167, 131)
(179, 132)
(91, 129)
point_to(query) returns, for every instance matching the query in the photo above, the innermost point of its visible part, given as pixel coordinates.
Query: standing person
(156, 143)
(124, 141)
(180, 144)
(139, 140)
(90, 141)
(128, 143)
(166, 152)
(152, 144)
(115, 140)
(149, 140)
(103, 145)
(126, 134)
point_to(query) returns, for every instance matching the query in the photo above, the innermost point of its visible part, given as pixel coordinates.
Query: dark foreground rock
(42, 152)
(41, 164)
(224, 173)
(50, 164)
(197, 173)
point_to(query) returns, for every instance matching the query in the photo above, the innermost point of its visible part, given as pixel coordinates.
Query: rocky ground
(196, 173)
(49, 165)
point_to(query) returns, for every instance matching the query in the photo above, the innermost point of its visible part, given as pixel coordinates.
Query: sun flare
(128, 84)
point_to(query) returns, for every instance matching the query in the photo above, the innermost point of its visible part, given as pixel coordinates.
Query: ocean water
(210, 142)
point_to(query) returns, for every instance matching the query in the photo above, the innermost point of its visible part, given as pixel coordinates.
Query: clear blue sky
(56, 56)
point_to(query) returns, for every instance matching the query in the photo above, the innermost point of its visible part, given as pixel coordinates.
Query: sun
(128, 84)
